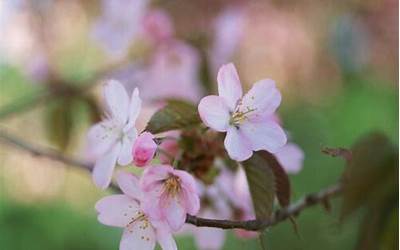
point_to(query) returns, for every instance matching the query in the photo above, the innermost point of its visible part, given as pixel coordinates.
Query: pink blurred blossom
(111, 140)
(228, 31)
(169, 195)
(291, 158)
(119, 25)
(246, 119)
(157, 26)
(173, 72)
(144, 149)
(124, 210)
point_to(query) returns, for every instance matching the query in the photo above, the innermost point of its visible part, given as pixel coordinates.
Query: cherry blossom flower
(246, 120)
(228, 31)
(144, 149)
(170, 195)
(111, 140)
(119, 25)
(173, 71)
(157, 26)
(124, 210)
(291, 158)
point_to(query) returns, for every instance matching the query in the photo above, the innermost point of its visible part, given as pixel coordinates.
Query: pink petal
(191, 201)
(104, 167)
(229, 86)
(291, 158)
(266, 135)
(236, 145)
(152, 176)
(150, 204)
(214, 112)
(100, 139)
(264, 97)
(187, 180)
(134, 107)
(117, 100)
(140, 235)
(174, 213)
(129, 184)
(116, 210)
(164, 238)
(125, 155)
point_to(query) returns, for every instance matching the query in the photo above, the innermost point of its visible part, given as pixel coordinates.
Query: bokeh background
(336, 63)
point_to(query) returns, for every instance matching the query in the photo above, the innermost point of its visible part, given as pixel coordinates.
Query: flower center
(172, 185)
(239, 116)
(139, 216)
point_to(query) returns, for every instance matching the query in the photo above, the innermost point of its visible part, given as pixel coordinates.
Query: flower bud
(144, 149)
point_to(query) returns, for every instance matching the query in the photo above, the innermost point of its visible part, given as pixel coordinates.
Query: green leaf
(282, 183)
(261, 183)
(372, 175)
(59, 123)
(177, 114)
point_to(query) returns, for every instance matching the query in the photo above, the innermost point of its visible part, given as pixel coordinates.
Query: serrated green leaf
(262, 185)
(177, 114)
(372, 175)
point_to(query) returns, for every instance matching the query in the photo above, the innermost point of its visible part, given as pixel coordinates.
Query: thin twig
(252, 225)
(41, 151)
(279, 216)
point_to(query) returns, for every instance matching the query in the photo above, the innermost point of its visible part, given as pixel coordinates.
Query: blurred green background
(47, 205)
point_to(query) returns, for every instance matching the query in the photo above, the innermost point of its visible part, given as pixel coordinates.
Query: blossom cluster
(154, 205)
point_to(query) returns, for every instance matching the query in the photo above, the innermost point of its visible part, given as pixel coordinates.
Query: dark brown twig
(252, 225)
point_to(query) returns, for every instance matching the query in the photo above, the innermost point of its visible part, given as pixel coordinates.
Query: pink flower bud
(144, 149)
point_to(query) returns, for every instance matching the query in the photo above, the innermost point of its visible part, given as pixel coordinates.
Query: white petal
(174, 213)
(214, 112)
(164, 238)
(134, 107)
(116, 210)
(140, 235)
(237, 145)
(229, 86)
(100, 139)
(264, 97)
(129, 184)
(104, 167)
(266, 135)
(291, 158)
(125, 156)
(117, 100)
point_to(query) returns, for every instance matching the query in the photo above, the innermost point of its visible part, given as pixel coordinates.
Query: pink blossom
(173, 72)
(144, 149)
(245, 204)
(124, 210)
(169, 195)
(291, 158)
(207, 238)
(169, 147)
(246, 120)
(157, 26)
(111, 140)
(228, 31)
(119, 25)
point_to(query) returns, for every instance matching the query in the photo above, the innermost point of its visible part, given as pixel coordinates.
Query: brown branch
(40, 151)
(252, 225)
(279, 216)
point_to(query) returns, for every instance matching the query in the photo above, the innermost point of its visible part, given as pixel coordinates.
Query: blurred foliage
(371, 181)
